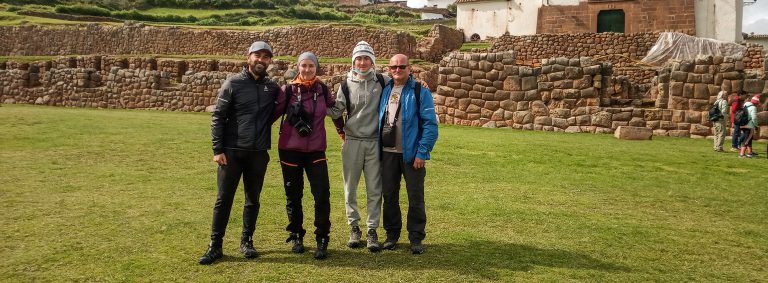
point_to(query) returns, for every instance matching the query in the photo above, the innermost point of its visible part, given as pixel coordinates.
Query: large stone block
(676, 89)
(602, 119)
(529, 83)
(754, 85)
(678, 76)
(517, 95)
(688, 90)
(701, 91)
(543, 120)
(538, 108)
(512, 83)
(561, 123)
(633, 133)
(523, 117)
(622, 116)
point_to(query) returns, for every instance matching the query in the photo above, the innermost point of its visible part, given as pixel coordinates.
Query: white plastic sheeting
(679, 46)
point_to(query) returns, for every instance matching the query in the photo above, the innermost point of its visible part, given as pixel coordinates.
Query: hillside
(228, 14)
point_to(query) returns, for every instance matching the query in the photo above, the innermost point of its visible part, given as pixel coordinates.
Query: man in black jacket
(240, 130)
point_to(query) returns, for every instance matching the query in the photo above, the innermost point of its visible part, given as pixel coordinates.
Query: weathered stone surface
(573, 129)
(633, 133)
(754, 85)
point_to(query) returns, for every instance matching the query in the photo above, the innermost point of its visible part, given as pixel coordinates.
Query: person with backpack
(407, 134)
(358, 97)
(736, 103)
(746, 119)
(718, 116)
(301, 147)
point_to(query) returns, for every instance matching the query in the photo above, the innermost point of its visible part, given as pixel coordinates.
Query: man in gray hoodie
(360, 151)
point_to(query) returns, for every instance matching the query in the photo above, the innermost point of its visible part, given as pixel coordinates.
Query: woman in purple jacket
(302, 148)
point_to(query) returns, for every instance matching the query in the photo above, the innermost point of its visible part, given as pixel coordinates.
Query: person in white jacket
(721, 130)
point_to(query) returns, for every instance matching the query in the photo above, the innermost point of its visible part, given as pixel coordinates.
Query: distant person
(720, 126)
(302, 144)
(407, 134)
(736, 102)
(241, 135)
(748, 130)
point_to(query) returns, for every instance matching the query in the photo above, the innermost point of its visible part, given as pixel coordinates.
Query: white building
(718, 19)
(495, 17)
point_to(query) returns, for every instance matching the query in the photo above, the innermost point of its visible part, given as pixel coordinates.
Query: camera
(300, 119)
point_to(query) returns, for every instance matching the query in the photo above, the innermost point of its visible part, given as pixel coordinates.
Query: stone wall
(579, 95)
(140, 83)
(617, 48)
(326, 40)
(640, 15)
(473, 89)
(755, 57)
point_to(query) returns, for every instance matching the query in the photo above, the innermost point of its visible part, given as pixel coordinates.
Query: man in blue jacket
(407, 133)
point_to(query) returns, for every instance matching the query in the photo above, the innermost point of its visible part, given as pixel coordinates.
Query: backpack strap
(417, 96)
(345, 91)
(380, 77)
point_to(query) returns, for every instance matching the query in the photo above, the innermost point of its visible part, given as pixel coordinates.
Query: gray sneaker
(373, 241)
(355, 236)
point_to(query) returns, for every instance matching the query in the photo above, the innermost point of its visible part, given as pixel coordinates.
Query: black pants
(746, 137)
(392, 167)
(294, 164)
(252, 165)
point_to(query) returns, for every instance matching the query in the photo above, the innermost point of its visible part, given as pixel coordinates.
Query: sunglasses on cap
(395, 67)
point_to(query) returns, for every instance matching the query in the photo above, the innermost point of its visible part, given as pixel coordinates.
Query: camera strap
(288, 96)
(397, 112)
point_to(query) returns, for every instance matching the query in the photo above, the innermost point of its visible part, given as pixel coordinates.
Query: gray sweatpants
(358, 156)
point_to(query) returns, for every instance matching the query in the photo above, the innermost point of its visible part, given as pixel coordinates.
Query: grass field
(113, 195)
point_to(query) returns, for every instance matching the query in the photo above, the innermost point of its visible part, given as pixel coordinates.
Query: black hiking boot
(213, 253)
(298, 242)
(246, 247)
(322, 248)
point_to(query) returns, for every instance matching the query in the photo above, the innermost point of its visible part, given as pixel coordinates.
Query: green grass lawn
(114, 195)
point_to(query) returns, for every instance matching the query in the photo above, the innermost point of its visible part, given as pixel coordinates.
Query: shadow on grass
(478, 258)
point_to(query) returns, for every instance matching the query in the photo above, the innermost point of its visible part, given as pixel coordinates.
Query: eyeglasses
(395, 67)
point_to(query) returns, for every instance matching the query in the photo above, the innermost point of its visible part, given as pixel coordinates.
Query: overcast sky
(756, 18)
(755, 15)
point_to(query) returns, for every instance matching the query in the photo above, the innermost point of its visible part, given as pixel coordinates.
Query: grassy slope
(126, 195)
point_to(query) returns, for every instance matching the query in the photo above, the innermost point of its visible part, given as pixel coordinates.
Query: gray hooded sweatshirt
(364, 96)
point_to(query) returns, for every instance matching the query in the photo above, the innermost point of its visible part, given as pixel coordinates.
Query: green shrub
(138, 16)
(373, 18)
(208, 22)
(80, 9)
(262, 4)
(253, 21)
(314, 13)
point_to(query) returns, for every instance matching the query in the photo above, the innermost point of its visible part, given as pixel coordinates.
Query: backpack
(741, 117)
(345, 91)
(714, 112)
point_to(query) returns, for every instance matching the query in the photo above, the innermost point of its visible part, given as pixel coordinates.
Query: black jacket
(242, 118)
